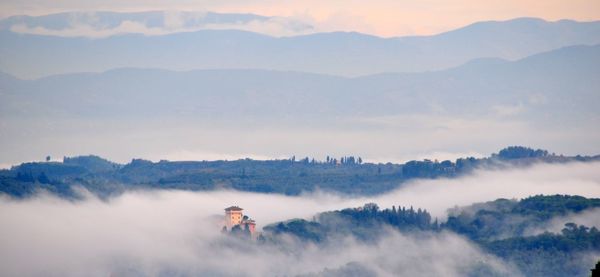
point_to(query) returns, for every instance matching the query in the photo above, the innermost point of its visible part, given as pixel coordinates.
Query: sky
(378, 17)
(396, 138)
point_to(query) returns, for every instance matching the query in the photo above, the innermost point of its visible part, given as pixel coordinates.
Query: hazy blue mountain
(338, 53)
(560, 84)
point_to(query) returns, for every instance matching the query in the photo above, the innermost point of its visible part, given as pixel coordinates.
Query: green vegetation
(497, 227)
(501, 228)
(508, 218)
(364, 223)
(569, 253)
(349, 175)
(519, 152)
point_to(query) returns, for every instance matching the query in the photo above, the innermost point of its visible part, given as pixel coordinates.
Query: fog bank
(173, 233)
(177, 232)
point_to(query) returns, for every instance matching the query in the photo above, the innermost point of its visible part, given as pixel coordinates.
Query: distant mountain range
(561, 85)
(339, 53)
(208, 75)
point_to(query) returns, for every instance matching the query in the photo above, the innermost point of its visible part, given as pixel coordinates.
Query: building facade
(233, 216)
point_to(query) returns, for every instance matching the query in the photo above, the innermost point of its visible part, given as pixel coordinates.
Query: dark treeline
(509, 218)
(549, 254)
(347, 160)
(349, 174)
(365, 223)
(497, 227)
(502, 226)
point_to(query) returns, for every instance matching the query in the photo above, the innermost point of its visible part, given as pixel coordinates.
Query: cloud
(486, 185)
(6, 165)
(377, 139)
(173, 233)
(93, 25)
(510, 110)
(177, 232)
(387, 17)
(588, 218)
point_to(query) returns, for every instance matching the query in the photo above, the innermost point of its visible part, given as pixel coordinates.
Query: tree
(42, 178)
(519, 152)
(596, 270)
(247, 232)
(261, 239)
(237, 231)
(372, 207)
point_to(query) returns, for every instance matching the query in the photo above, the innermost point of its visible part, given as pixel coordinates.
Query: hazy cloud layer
(382, 17)
(95, 25)
(171, 233)
(439, 195)
(588, 218)
(177, 232)
(545, 101)
(397, 139)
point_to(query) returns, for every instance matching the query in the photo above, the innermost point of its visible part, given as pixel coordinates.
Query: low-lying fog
(177, 232)
(376, 139)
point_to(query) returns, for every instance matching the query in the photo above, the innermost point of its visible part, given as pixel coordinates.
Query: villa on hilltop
(236, 221)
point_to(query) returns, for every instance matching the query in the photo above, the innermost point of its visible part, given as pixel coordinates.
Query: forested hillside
(348, 175)
(497, 227)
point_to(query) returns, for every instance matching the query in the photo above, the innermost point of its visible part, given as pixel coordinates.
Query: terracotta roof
(234, 208)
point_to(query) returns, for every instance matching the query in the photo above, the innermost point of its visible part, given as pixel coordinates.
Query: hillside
(566, 253)
(345, 175)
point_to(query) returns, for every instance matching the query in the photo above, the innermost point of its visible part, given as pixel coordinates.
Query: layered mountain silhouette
(560, 84)
(30, 55)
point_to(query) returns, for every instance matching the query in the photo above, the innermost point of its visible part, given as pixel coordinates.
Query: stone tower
(233, 216)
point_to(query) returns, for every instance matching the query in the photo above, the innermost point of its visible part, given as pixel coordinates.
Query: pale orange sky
(378, 17)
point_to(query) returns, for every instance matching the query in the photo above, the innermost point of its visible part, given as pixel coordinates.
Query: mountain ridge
(485, 61)
(339, 53)
(563, 77)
